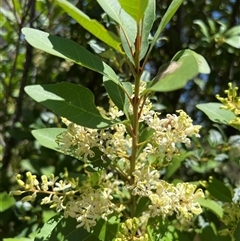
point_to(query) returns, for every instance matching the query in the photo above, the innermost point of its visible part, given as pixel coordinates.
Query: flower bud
(17, 193)
(27, 199)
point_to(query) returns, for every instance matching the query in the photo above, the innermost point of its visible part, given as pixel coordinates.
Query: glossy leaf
(98, 161)
(215, 138)
(47, 137)
(112, 8)
(91, 25)
(106, 231)
(67, 49)
(142, 205)
(236, 233)
(135, 8)
(209, 233)
(47, 229)
(176, 74)
(74, 102)
(203, 28)
(175, 164)
(211, 205)
(215, 114)
(219, 191)
(128, 33)
(145, 133)
(175, 4)
(64, 229)
(203, 66)
(233, 41)
(212, 25)
(117, 95)
(128, 26)
(6, 201)
(148, 20)
(234, 31)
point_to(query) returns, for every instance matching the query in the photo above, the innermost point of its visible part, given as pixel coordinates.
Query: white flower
(61, 186)
(144, 182)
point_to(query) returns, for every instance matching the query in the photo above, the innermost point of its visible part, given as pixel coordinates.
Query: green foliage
(125, 52)
(219, 191)
(58, 228)
(213, 206)
(118, 95)
(221, 36)
(47, 137)
(135, 8)
(173, 76)
(70, 101)
(67, 49)
(6, 201)
(216, 114)
(175, 4)
(92, 26)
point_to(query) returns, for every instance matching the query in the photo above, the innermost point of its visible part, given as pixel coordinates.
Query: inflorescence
(87, 204)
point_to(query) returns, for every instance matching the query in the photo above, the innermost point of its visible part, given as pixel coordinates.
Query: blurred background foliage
(201, 25)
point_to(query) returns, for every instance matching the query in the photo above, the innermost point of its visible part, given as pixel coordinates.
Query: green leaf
(74, 102)
(48, 228)
(134, 8)
(215, 114)
(98, 161)
(48, 214)
(106, 230)
(142, 205)
(176, 74)
(234, 31)
(128, 33)
(175, 164)
(47, 137)
(64, 229)
(145, 133)
(233, 41)
(128, 27)
(237, 231)
(175, 4)
(203, 66)
(203, 28)
(6, 201)
(219, 191)
(212, 26)
(211, 205)
(205, 167)
(117, 95)
(69, 50)
(112, 8)
(149, 18)
(209, 233)
(92, 26)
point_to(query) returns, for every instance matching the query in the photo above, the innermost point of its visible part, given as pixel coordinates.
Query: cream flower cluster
(129, 231)
(231, 102)
(112, 142)
(169, 131)
(86, 205)
(115, 142)
(165, 197)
